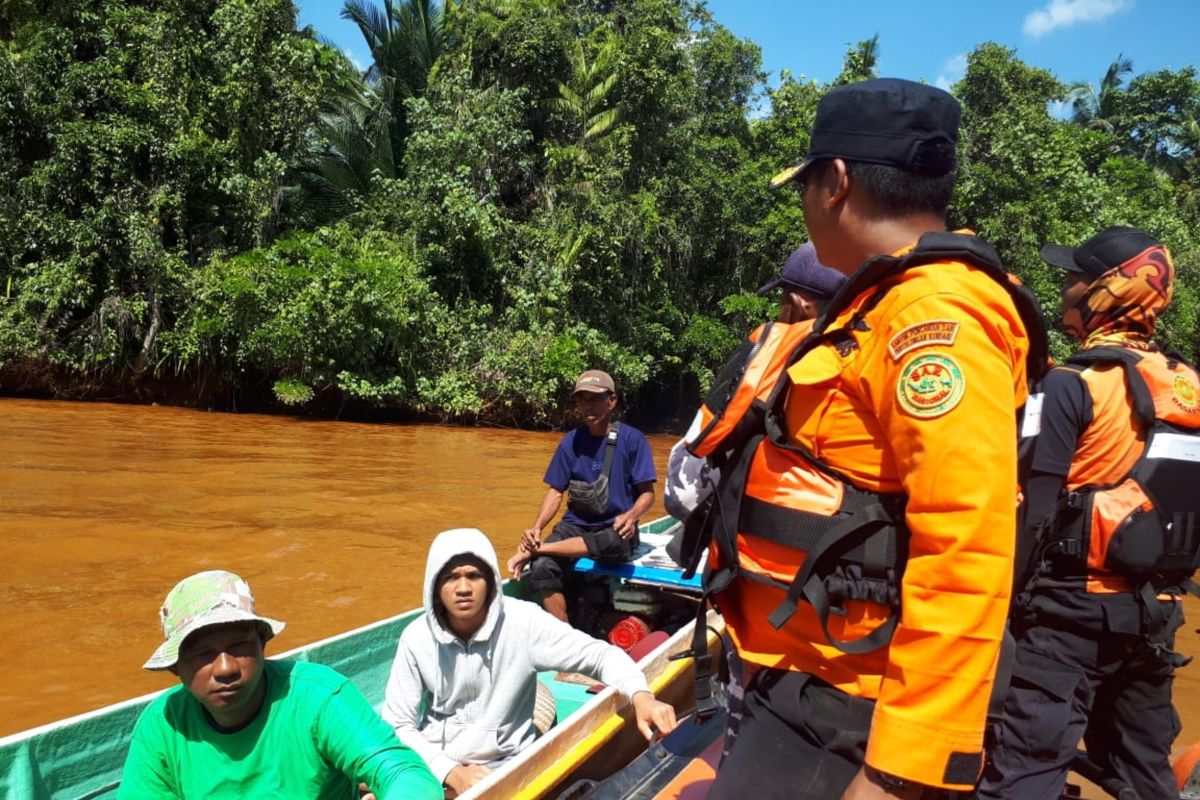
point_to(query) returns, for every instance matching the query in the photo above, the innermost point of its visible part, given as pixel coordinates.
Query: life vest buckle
(842, 341)
(1072, 548)
(1076, 500)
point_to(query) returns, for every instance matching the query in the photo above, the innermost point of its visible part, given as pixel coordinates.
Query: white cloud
(1065, 13)
(952, 70)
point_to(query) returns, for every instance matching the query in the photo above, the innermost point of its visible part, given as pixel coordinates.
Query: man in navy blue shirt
(602, 512)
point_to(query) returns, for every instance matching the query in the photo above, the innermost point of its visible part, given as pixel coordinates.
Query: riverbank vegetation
(199, 196)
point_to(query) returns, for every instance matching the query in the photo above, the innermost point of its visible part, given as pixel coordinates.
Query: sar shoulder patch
(1186, 396)
(930, 385)
(932, 332)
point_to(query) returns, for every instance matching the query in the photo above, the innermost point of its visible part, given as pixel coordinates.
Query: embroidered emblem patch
(1186, 396)
(930, 385)
(935, 331)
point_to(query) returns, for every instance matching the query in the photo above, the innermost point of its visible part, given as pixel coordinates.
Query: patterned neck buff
(1122, 306)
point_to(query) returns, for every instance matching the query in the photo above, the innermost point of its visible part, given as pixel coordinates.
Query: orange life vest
(851, 542)
(1142, 525)
(737, 401)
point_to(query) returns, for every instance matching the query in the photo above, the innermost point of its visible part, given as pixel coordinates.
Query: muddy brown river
(103, 507)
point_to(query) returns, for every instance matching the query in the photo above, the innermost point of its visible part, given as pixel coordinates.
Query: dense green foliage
(513, 191)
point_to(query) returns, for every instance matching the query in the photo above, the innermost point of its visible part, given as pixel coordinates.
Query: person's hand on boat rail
(653, 714)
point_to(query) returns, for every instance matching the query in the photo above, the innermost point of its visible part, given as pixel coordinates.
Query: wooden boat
(82, 756)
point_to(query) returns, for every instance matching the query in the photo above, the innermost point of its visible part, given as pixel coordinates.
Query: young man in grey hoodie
(463, 685)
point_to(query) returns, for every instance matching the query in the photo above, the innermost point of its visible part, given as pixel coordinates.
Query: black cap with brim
(885, 121)
(803, 272)
(770, 286)
(1107, 250)
(1058, 255)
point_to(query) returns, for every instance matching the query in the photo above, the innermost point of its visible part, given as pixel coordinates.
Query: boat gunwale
(587, 744)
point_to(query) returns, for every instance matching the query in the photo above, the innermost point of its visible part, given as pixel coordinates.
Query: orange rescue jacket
(887, 479)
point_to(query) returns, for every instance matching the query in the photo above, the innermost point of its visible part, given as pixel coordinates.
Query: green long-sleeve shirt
(315, 737)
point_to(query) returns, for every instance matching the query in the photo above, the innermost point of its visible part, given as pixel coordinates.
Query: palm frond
(598, 92)
(601, 123)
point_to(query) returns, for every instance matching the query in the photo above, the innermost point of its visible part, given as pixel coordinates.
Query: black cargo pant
(1084, 670)
(798, 739)
(554, 574)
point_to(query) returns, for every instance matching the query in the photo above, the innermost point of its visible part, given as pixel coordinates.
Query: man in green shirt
(242, 726)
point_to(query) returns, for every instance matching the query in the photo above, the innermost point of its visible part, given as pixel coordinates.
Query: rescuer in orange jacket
(910, 395)
(807, 287)
(1094, 640)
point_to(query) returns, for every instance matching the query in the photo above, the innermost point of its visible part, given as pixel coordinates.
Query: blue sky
(927, 40)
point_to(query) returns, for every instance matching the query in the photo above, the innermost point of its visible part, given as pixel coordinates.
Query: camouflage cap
(207, 598)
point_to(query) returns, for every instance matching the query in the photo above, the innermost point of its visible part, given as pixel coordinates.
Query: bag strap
(1143, 401)
(611, 447)
(1158, 634)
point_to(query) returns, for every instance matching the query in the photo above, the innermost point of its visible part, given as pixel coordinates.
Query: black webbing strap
(1157, 634)
(706, 704)
(719, 525)
(803, 530)
(721, 520)
(809, 586)
(611, 447)
(1143, 401)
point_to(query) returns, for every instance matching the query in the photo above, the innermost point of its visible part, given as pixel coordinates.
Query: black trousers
(1084, 670)
(798, 739)
(554, 574)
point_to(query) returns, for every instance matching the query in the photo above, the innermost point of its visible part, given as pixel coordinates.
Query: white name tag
(1032, 424)
(1175, 446)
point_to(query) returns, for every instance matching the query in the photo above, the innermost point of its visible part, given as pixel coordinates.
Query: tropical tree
(1155, 118)
(360, 137)
(347, 150)
(139, 140)
(405, 40)
(585, 103)
(860, 62)
(1094, 107)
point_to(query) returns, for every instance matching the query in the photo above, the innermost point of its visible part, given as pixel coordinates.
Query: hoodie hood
(446, 546)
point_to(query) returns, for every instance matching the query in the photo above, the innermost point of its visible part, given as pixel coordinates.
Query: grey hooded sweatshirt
(471, 702)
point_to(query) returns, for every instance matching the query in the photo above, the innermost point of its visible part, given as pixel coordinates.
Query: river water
(104, 507)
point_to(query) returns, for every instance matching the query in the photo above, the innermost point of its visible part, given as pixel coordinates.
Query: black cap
(886, 121)
(803, 271)
(1107, 250)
